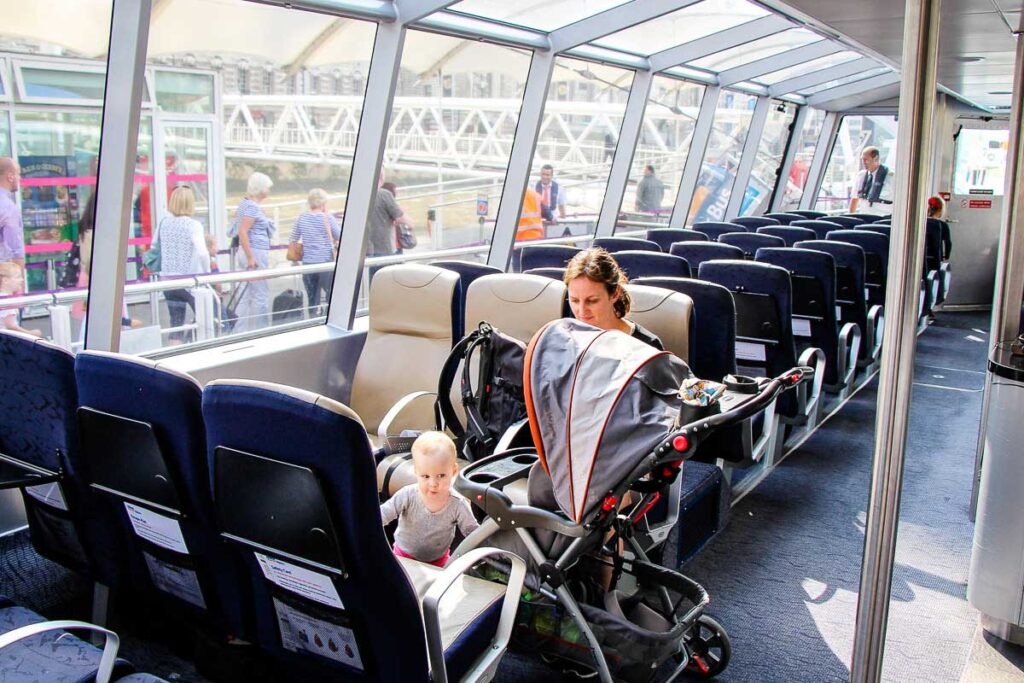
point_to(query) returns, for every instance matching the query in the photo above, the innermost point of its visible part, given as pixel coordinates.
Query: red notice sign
(979, 204)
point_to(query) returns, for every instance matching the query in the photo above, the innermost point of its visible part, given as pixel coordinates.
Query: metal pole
(795, 131)
(822, 151)
(1009, 284)
(748, 156)
(119, 137)
(695, 157)
(914, 148)
(629, 135)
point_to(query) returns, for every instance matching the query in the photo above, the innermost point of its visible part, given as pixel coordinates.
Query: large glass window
(62, 84)
(577, 141)
(836, 82)
(725, 146)
(756, 49)
(980, 161)
(855, 133)
(543, 16)
(769, 155)
(812, 66)
(806, 142)
(662, 149)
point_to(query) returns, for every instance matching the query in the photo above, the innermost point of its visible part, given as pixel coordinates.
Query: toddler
(428, 511)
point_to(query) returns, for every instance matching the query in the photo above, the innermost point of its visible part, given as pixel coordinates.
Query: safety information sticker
(301, 581)
(303, 633)
(178, 581)
(801, 327)
(48, 494)
(158, 529)
(749, 351)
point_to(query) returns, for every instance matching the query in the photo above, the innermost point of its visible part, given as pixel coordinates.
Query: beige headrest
(144, 362)
(516, 304)
(397, 290)
(292, 392)
(665, 313)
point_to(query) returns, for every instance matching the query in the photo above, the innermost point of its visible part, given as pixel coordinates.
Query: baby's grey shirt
(421, 533)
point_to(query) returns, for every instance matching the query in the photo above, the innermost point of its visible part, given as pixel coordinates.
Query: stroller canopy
(598, 402)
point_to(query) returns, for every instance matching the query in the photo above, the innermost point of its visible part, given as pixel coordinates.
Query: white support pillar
(749, 155)
(629, 135)
(695, 157)
(531, 114)
(815, 174)
(895, 382)
(787, 159)
(119, 135)
(60, 325)
(206, 312)
(362, 186)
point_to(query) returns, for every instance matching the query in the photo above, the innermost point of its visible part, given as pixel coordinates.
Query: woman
(319, 234)
(182, 252)
(936, 207)
(597, 295)
(254, 232)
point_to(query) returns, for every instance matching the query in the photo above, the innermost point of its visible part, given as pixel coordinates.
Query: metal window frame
(783, 60)
(799, 121)
(797, 83)
(612, 20)
(721, 40)
(414, 10)
(5, 83)
(695, 157)
(373, 10)
(119, 133)
(822, 98)
(622, 161)
(819, 162)
(749, 154)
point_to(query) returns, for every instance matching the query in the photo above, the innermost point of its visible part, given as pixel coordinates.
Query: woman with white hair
(318, 232)
(254, 232)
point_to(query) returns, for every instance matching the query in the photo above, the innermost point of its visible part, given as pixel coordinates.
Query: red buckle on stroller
(609, 503)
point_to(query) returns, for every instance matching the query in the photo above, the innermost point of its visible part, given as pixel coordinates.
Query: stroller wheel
(709, 648)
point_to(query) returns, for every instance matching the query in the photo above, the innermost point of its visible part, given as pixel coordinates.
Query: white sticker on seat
(48, 494)
(801, 327)
(750, 351)
(155, 528)
(303, 633)
(180, 582)
(299, 580)
(839, 312)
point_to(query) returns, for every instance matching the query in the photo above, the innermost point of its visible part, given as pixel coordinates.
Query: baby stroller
(606, 419)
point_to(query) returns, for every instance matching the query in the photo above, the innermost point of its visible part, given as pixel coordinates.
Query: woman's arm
(243, 239)
(199, 244)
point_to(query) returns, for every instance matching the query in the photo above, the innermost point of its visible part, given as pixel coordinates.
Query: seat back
(880, 228)
(790, 234)
(409, 338)
(750, 242)
(689, 235)
(616, 244)
(850, 298)
(859, 217)
(546, 256)
(664, 312)
(712, 342)
(846, 222)
(666, 237)
(550, 273)
(296, 493)
(884, 219)
(876, 259)
(715, 228)
(697, 253)
(764, 330)
(468, 272)
(38, 398)
(821, 228)
(755, 222)
(813, 277)
(652, 264)
(517, 304)
(808, 213)
(143, 438)
(784, 218)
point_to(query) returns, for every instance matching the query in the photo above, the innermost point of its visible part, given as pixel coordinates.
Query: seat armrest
(15, 474)
(815, 358)
(108, 658)
(849, 352)
(396, 410)
(876, 329)
(488, 661)
(504, 443)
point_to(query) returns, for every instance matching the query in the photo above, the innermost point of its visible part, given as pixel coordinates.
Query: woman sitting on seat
(597, 295)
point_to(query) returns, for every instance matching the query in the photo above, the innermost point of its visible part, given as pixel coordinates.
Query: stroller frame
(483, 482)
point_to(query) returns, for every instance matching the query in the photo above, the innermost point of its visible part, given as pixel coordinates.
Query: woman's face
(591, 303)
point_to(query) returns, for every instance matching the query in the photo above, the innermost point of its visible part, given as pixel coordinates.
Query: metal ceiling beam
(372, 10)
(832, 73)
(855, 88)
(414, 10)
(472, 28)
(783, 60)
(695, 157)
(722, 40)
(622, 162)
(313, 46)
(615, 19)
(750, 146)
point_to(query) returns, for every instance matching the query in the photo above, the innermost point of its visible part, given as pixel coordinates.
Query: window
(5, 134)
(855, 133)
(664, 143)
(812, 66)
(42, 84)
(806, 142)
(769, 155)
(545, 16)
(190, 93)
(725, 146)
(835, 83)
(980, 161)
(756, 49)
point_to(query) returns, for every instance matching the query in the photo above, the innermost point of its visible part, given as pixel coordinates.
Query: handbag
(151, 258)
(295, 250)
(405, 236)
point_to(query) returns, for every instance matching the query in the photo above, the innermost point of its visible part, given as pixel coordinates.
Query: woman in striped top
(319, 233)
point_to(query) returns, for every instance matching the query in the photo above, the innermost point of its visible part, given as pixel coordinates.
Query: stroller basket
(637, 634)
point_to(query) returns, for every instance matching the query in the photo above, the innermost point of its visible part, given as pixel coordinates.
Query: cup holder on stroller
(525, 459)
(741, 384)
(483, 477)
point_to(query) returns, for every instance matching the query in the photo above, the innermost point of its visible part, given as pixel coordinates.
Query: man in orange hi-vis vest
(531, 224)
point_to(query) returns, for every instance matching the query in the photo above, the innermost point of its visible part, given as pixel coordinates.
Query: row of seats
(244, 506)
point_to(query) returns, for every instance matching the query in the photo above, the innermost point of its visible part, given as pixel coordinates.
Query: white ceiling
(968, 28)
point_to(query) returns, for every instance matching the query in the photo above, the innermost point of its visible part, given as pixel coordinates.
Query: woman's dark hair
(88, 219)
(600, 266)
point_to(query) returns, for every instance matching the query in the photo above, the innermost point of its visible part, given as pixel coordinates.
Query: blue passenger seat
(752, 223)
(697, 253)
(652, 264)
(845, 222)
(784, 218)
(614, 245)
(666, 237)
(715, 228)
(790, 234)
(808, 213)
(821, 228)
(750, 242)
(876, 259)
(296, 497)
(546, 256)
